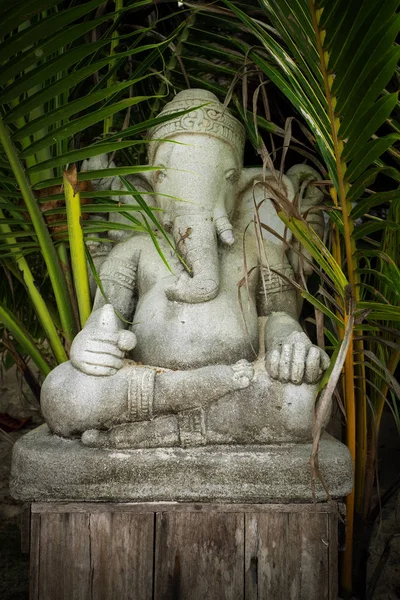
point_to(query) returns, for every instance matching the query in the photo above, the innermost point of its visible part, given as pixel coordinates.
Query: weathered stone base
(48, 468)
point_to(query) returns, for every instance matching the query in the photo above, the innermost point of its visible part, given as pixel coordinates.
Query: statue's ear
(252, 192)
(145, 178)
(127, 195)
(141, 185)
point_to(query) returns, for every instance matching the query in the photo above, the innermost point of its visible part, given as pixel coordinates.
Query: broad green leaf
(62, 63)
(148, 211)
(77, 155)
(149, 124)
(44, 28)
(320, 306)
(368, 178)
(101, 174)
(50, 91)
(56, 65)
(20, 333)
(368, 53)
(100, 208)
(370, 87)
(380, 311)
(363, 127)
(19, 14)
(17, 234)
(69, 109)
(77, 125)
(23, 61)
(367, 154)
(309, 239)
(385, 279)
(361, 231)
(5, 179)
(365, 204)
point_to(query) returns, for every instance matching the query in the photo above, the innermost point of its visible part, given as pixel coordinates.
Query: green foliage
(309, 80)
(57, 88)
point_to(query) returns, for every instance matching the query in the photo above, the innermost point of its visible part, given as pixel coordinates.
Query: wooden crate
(155, 551)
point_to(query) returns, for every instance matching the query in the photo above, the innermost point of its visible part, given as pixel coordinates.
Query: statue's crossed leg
(265, 411)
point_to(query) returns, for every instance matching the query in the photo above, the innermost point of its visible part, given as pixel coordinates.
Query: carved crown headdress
(212, 119)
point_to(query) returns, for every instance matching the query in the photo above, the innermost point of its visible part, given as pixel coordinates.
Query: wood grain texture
(34, 558)
(333, 535)
(122, 556)
(199, 556)
(156, 507)
(289, 557)
(183, 552)
(25, 528)
(64, 562)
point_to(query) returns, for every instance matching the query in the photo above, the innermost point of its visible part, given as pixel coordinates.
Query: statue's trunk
(196, 243)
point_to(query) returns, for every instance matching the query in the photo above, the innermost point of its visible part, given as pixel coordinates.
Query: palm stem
(66, 267)
(349, 367)
(76, 243)
(23, 338)
(47, 247)
(37, 299)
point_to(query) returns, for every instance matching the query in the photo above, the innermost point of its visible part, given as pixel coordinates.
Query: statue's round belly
(185, 336)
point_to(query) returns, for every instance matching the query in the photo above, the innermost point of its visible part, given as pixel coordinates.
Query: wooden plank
(268, 572)
(199, 556)
(287, 556)
(333, 528)
(34, 558)
(122, 555)
(308, 545)
(25, 528)
(64, 565)
(101, 507)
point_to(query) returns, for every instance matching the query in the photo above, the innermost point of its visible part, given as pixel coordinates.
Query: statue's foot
(161, 432)
(243, 373)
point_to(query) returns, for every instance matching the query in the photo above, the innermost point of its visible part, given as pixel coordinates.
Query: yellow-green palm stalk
(349, 244)
(76, 243)
(18, 331)
(46, 244)
(35, 296)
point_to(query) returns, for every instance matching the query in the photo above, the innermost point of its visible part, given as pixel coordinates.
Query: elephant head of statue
(200, 156)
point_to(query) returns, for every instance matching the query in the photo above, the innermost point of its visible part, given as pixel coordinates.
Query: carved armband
(276, 293)
(274, 283)
(118, 278)
(141, 394)
(120, 272)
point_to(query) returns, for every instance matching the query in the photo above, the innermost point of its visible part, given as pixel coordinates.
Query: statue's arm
(309, 203)
(275, 292)
(118, 276)
(290, 355)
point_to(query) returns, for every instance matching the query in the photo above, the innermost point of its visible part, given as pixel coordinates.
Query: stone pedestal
(211, 523)
(49, 468)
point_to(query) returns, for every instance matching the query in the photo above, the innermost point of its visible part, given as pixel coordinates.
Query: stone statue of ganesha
(209, 351)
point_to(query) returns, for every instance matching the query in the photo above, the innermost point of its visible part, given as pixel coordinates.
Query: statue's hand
(296, 360)
(99, 349)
